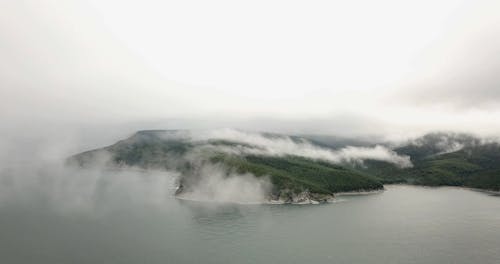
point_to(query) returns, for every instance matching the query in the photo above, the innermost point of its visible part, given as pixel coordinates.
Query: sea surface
(139, 221)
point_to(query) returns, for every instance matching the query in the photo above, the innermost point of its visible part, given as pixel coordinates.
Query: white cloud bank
(215, 185)
(274, 145)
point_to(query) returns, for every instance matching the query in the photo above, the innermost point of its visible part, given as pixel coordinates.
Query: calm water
(404, 224)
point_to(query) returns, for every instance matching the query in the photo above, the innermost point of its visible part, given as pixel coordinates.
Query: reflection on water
(122, 217)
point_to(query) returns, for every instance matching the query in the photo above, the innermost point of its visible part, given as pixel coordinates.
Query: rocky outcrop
(305, 197)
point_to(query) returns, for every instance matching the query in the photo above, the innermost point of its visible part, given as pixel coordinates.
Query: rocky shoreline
(305, 197)
(290, 197)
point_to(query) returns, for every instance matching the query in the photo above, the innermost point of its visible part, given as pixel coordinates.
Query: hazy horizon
(96, 71)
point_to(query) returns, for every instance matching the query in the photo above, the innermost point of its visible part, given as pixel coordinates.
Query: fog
(82, 74)
(68, 190)
(360, 68)
(77, 75)
(278, 145)
(35, 171)
(215, 185)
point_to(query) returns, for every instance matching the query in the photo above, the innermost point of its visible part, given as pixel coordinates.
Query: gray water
(404, 224)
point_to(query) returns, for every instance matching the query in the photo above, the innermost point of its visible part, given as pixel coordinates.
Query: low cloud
(277, 145)
(439, 143)
(217, 185)
(67, 189)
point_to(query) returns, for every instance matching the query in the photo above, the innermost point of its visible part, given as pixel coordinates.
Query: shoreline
(334, 199)
(307, 201)
(354, 193)
(488, 191)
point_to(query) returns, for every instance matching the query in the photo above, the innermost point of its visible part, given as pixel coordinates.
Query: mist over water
(216, 185)
(64, 188)
(52, 213)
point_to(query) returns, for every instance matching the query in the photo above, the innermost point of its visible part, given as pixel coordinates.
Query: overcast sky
(327, 67)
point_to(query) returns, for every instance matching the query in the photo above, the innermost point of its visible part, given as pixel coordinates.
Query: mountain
(337, 142)
(443, 159)
(292, 176)
(303, 167)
